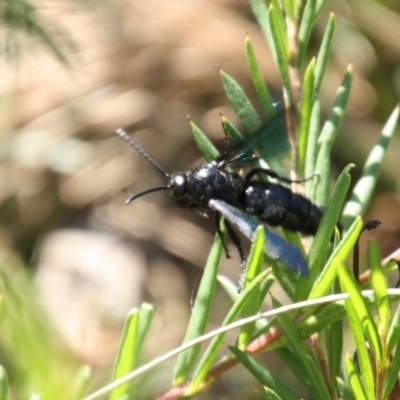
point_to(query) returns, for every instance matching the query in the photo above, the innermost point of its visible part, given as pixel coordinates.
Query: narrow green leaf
(312, 149)
(266, 286)
(319, 246)
(323, 167)
(136, 327)
(79, 383)
(324, 52)
(334, 349)
(364, 188)
(392, 376)
(394, 331)
(264, 376)
(361, 323)
(315, 380)
(258, 81)
(291, 9)
(291, 362)
(254, 267)
(334, 346)
(146, 312)
(230, 287)
(260, 11)
(354, 380)
(240, 103)
(320, 319)
(323, 283)
(127, 354)
(280, 20)
(282, 51)
(3, 383)
(344, 391)
(269, 394)
(204, 144)
(215, 345)
(200, 314)
(363, 312)
(306, 25)
(328, 135)
(306, 105)
(379, 286)
(231, 131)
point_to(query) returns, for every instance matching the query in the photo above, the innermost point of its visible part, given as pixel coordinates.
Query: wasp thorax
(177, 184)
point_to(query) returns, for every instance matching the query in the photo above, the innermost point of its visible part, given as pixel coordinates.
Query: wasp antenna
(140, 194)
(136, 146)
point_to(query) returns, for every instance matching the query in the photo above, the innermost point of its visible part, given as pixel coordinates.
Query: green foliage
(320, 303)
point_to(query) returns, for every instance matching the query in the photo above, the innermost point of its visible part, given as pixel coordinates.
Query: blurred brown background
(145, 66)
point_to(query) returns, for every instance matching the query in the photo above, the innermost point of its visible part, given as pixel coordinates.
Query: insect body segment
(277, 205)
(204, 183)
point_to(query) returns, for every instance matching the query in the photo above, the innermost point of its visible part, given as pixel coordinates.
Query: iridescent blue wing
(269, 142)
(281, 251)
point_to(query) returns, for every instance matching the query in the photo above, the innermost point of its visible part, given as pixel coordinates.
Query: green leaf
(280, 20)
(361, 323)
(79, 383)
(291, 8)
(306, 25)
(260, 11)
(379, 286)
(312, 149)
(392, 375)
(315, 381)
(258, 81)
(319, 246)
(200, 313)
(323, 283)
(320, 319)
(306, 105)
(263, 375)
(229, 286)
(254, 267)
(231, 131)
(354, 380)
(204, 144)
(146, 312)
(269, 394)
(334, 349)
(291, 362)
(282, 50)
(240, 103)
(344, 390)
(364, 188)
(127, 357)
(394, 331)
(328, 135)
(136, 327)
(215, 345)
(324, 52)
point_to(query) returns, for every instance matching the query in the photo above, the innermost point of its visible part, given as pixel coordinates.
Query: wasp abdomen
(277, 205)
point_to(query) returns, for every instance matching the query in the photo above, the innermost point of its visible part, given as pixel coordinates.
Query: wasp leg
(220, 234)
(238, 244)
(273, 174)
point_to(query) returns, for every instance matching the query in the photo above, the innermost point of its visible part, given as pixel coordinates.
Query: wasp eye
(177, 184)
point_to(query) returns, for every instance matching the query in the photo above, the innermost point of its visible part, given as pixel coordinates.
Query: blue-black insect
(245, 201)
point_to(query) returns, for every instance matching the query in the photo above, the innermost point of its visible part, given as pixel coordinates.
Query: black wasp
(245, 201)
